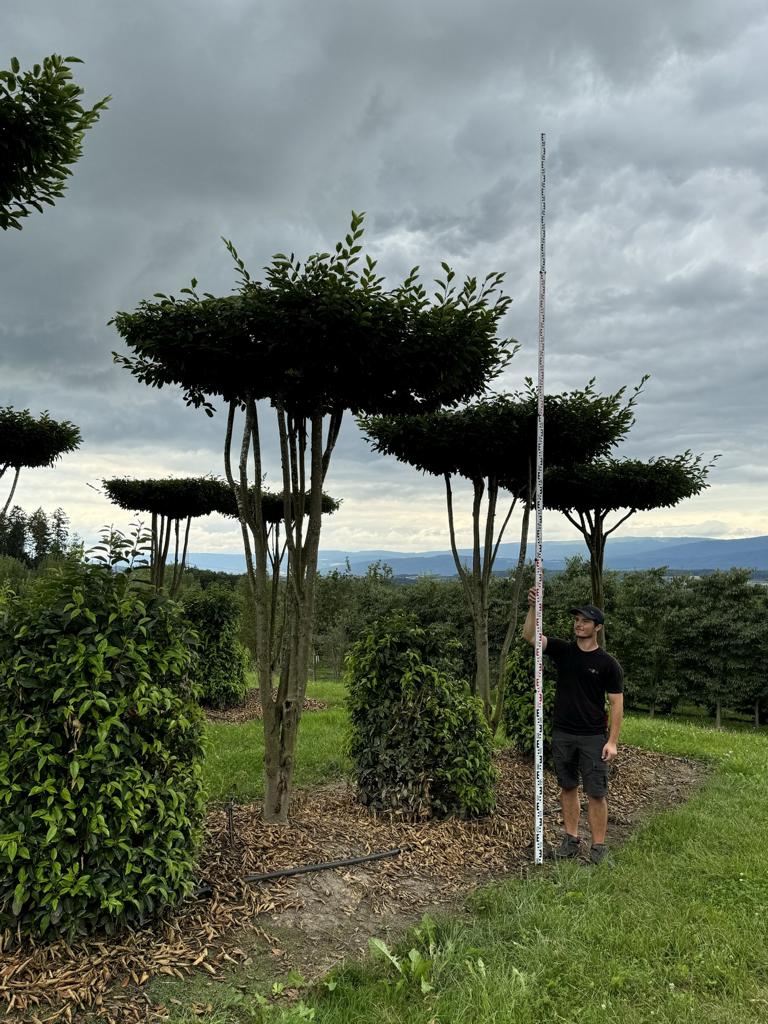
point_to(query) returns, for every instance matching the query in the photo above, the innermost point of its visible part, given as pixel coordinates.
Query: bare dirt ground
(310, 922)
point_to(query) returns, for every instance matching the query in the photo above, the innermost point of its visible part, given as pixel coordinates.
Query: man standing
(582, 745)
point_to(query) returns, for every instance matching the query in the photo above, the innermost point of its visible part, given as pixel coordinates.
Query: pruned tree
(28, 442)
(313, 340)
(492, 443)
(588, 495)
(170, 501)
(42, 125)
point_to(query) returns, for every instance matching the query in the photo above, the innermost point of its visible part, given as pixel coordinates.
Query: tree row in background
(682, 640)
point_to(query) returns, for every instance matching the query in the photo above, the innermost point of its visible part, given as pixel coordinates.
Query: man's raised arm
(529, 626)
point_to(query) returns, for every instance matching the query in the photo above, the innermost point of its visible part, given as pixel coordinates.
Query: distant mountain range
(683, 554)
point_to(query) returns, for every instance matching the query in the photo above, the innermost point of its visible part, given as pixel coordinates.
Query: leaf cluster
(100, 755)
(322, 336)
(42, 125)
(607, 485)
(173, 497)
(496, 437)
(215, 614)
(183, 497)
(418, 738)
(29, 441)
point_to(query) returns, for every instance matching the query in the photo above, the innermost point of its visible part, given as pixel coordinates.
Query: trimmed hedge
(419, 739)
(101, 753)
(215, 613)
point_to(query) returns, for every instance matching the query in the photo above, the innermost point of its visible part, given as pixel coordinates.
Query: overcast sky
(268, 122)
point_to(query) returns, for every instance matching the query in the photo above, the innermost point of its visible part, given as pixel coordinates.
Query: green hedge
(519, 700)
(419, 740)
(100, 755)
(215, 614)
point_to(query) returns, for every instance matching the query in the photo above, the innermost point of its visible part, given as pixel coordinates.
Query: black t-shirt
(583, 679)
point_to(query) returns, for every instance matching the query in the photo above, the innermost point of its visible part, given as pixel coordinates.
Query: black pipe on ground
(266, 876)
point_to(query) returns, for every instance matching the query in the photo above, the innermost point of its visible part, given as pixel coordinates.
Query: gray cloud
(268, 123)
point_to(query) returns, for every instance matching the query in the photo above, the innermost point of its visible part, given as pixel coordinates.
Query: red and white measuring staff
(539, 569)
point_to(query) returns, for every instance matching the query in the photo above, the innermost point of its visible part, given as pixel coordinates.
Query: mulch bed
(61, 982)
(251, 710)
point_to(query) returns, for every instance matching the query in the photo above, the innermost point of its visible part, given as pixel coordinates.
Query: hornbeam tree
(170, 502)
(311, 341)
(492, 444)
(27, 442)
(590, 494)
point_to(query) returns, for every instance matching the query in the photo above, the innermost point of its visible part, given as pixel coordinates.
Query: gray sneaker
(568, 849)
(598, 852)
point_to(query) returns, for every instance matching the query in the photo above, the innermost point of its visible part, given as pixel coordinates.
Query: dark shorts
(580, 756)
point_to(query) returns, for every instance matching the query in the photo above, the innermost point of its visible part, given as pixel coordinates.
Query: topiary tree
(312, 341)
(170, 501)
(492, 443)
(215, 614)
(29, 442)
(100, 755)
(418, 738)
(588, 495)
(42, 125)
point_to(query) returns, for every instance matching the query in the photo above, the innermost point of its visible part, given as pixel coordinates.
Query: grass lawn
(235, 758)
(676, 931)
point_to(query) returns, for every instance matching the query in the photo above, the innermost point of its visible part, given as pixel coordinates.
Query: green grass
(234, 762)
(675, 931)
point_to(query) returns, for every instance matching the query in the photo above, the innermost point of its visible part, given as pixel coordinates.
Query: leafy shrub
(519, 700)
(419, 739)
(100, 754)
(215, 612)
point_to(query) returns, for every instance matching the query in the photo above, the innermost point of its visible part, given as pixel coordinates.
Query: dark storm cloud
(267, 123)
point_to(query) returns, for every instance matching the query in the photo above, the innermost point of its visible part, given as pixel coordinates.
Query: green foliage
(174, 497)
(29, 441)
(322, 336)
(608, 485)
(42, 125)
(31, 539)
(419, 740)
(496, 437)
(519, 700)
(13, 573)
(646, 633)
(215, 614)
(100, 755)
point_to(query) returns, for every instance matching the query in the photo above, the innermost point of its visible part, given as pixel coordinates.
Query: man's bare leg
(597, 812)
(569, 802)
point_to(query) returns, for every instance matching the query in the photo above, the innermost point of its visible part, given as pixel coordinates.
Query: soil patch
(251, 709)
(321, 916)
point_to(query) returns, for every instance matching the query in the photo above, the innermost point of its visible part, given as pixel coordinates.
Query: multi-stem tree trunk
(305, 455)
(476, 583)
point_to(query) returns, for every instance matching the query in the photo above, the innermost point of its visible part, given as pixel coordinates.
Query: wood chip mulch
(251, 710)
(73, 982)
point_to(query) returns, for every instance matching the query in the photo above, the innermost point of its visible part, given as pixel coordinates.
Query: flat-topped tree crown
(173, 497)
(609, 485)
(496, 437)
(29, 442)
(323, 336)
(627, 486)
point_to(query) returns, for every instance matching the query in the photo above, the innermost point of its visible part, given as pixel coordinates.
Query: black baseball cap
(589, 611)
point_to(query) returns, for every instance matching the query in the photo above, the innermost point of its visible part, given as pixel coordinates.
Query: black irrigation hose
(286, 872)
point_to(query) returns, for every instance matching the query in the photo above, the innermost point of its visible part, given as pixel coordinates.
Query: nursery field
(675, 929)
